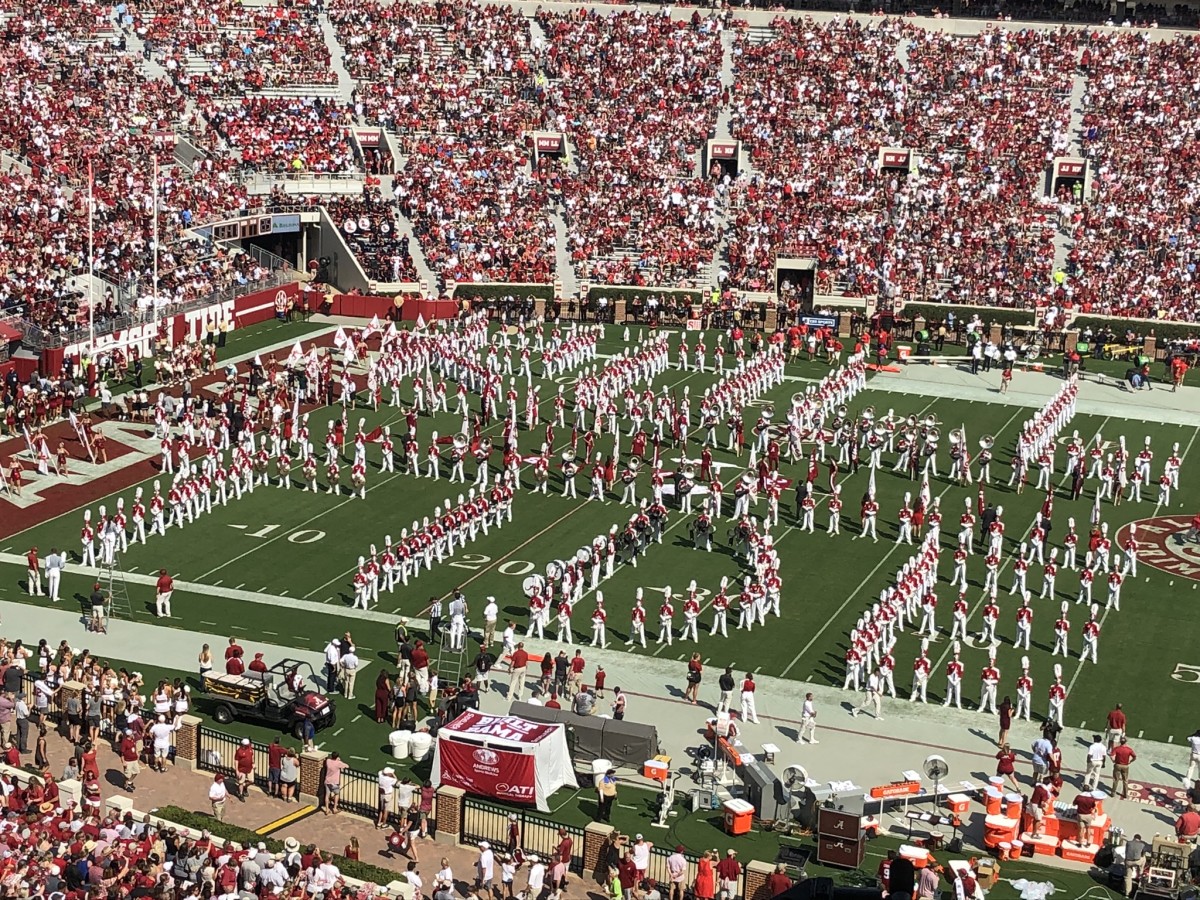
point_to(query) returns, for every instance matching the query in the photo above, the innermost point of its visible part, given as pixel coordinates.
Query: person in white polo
(55, 563)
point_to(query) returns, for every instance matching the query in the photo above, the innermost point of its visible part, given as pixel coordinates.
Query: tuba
(460, 441)
(868, 414)
(689, 472)
(486, 445)
(635, 464)
(568, 456)
(987, 442)
(956, 437)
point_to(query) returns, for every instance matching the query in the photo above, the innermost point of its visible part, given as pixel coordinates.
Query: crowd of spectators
(441, 69)
(263, 47)
(1136, 246)
(368, 225)
(478, 214)
(984, 114)
(638, 94)
(635, 95)
(278, 134)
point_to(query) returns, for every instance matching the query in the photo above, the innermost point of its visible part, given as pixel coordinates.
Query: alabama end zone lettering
(1161, 545)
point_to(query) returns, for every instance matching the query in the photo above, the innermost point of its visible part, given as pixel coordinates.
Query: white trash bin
(400, 741)
(421, 743)
(599, 767)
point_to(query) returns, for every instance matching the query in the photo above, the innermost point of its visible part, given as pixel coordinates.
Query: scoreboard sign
(895, 159)
(547, 143)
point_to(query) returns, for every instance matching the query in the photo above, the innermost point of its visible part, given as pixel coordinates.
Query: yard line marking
(356, 718)
(363, 758)
(133, 568)
(202, 622)
(240, 586)
(5, 550)
(282, 593)
(218, 582)
(887, 556)
(336, 733)
(238, 627)
(272, 633)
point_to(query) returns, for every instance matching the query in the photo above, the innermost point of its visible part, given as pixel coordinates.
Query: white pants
(53, 577)
(162, 603)
(749, 713)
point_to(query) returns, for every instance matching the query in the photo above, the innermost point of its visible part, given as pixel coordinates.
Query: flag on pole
(296, 355)
(373, 327)
(339, 338)
(871, 483)
(420, 323)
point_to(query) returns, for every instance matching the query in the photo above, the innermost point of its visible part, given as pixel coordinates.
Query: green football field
(301, 550)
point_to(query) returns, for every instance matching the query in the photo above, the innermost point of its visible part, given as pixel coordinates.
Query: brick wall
(312, 767)
(755, 884)
(595, 837)
(187, 742)
(449, 804)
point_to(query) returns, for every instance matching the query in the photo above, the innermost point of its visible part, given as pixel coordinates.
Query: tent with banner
(503, 757)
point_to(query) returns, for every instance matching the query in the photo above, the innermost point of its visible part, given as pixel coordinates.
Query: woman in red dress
(705, 886)
(14, 475)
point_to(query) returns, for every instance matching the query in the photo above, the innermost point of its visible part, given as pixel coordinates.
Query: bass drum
(534, 584)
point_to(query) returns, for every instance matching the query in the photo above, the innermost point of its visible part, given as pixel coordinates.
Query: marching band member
(921, 669)
(1062, 630)
(958, 618)
(1115, 580)
(1070, 542)
(637, 622)
(358, 480)
(599, 617)
(564, 622)
(570, 469)
(1057, 697)
(954, 673)
(1020, 571)
(989, 678)
(869, 513)
(905, 519)
(1024, 622)
(720, 610)
(666, 619)
(1024, 691)
(691, 613)
(1091, 636)
(960, 568)
(991, 614)
(835, 511)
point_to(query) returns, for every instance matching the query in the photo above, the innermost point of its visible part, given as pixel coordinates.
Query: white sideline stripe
(209, 590)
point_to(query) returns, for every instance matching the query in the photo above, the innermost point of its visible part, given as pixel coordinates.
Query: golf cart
(280, 697)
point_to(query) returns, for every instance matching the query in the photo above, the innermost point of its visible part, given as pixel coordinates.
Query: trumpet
(987, 442)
